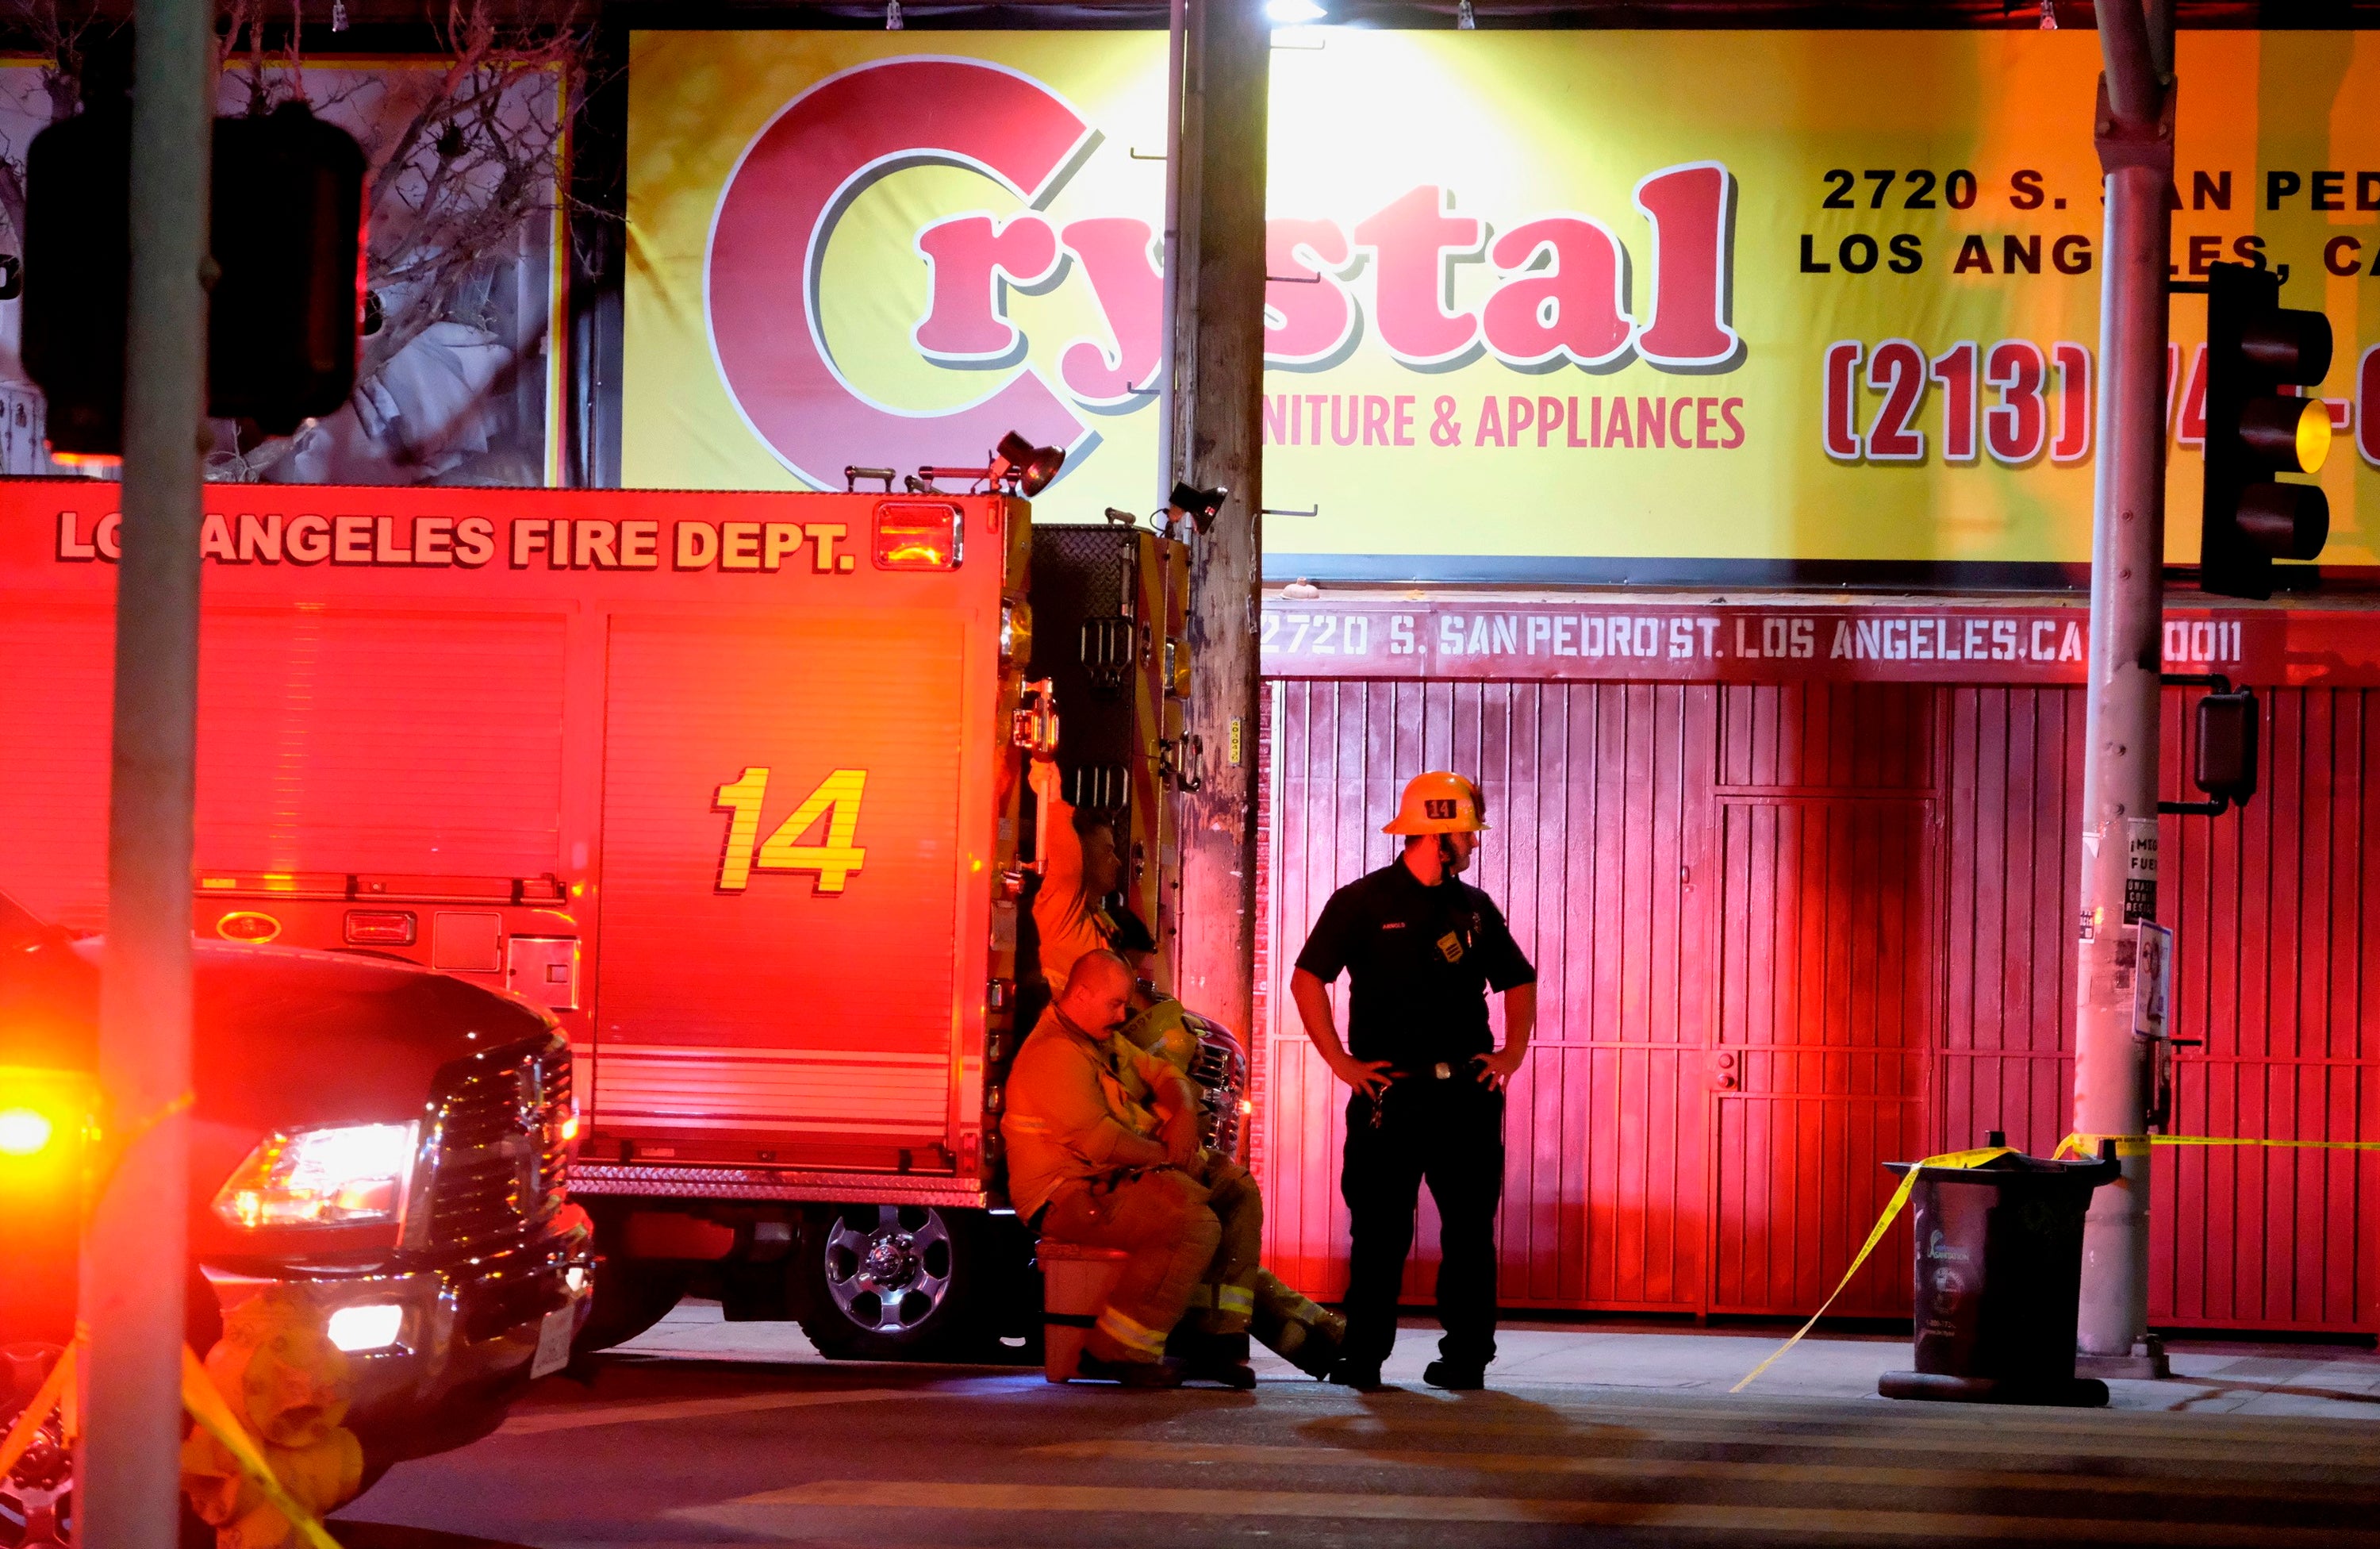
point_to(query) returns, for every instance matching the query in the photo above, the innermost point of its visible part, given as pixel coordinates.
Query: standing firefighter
(1421, 950)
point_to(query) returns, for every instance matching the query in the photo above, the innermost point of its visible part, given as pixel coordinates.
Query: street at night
(711, 1434)
(1150, 774)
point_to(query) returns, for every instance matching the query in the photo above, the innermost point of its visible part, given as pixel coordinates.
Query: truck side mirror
(2225, 765)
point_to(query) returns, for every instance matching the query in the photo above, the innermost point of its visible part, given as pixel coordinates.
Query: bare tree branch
(453, 197)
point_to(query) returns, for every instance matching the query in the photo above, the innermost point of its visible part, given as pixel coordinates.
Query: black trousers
(1450, 1133)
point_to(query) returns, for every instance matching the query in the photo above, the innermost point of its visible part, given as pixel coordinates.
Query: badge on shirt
(1451, 944)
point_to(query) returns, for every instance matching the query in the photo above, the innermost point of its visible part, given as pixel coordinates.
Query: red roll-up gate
(1797, 913)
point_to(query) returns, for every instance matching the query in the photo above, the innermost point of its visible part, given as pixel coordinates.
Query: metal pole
(2112, 1068)
(136, 1255)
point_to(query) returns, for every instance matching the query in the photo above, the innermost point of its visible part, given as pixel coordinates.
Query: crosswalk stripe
(1197, 1453)
(539, 1423)
(762, 1513)
(1718, 1428)
(2093, 1423)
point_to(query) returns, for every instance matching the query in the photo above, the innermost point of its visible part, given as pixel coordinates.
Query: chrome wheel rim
(888, 1267)
(38, 1496)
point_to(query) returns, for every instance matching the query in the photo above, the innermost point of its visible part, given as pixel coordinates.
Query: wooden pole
(1214, 413)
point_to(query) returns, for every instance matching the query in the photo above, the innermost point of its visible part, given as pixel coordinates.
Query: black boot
(1162, 1373)
(1215, 1358)
(1363, 1376)
(1453, 1378)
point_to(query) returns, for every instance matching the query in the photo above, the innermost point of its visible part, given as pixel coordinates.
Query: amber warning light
(381, 927)
(44, 1117)
(918, 535)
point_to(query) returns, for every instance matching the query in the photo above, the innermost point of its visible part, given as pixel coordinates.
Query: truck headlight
(339, 1176)
(25, 1132)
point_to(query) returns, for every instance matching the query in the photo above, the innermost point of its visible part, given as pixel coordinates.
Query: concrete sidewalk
(2337, 1382)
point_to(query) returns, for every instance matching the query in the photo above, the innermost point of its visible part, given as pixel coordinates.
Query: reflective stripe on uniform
(1131, 1334)
(1241, 1299)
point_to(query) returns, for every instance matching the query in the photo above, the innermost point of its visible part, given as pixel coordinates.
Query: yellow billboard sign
(1544, 305)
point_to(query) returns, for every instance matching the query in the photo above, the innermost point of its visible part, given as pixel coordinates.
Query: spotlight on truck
(1033, 467)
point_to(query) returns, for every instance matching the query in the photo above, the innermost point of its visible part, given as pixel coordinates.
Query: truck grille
(501, 1150)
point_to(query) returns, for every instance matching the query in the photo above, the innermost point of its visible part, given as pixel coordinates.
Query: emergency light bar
(918, 535)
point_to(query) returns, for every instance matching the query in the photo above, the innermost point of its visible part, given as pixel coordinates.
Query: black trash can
(1999, 1278)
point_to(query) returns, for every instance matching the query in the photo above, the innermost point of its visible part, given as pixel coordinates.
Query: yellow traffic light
(2314, 435)
(2264, 420)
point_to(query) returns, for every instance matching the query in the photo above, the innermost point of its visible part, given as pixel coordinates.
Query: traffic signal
(2224, 767)
(286, 234)
(77, 269)
(2254, 348)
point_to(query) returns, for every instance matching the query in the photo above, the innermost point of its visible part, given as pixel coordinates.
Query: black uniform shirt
(1420, 961)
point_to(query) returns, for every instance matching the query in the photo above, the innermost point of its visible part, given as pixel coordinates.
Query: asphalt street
(683, 1448)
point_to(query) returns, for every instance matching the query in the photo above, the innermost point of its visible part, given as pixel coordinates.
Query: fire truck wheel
(631, 1296)
(893, 1282)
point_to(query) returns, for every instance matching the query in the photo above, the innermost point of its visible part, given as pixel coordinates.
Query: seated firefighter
(1089, 1163)
(1227, 1308)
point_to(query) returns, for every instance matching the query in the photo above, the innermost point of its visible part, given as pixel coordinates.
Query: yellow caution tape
(2080, 1144)
(111, 1148)
(2139, 1145)
(206, 1407)
(1975, 1158)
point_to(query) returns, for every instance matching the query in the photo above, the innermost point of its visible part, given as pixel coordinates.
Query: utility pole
(2112, 1067)
(1213, 398)
(135, 1254)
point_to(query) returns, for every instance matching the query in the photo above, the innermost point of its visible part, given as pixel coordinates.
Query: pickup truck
(390, 1141)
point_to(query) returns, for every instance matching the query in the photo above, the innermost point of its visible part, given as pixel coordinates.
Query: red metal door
(1825, 1009)
(2273, 972)
(1594, 788)
(1863, 895)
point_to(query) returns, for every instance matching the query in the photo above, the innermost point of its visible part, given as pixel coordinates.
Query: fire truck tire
(631, 1296)
(894, 1282)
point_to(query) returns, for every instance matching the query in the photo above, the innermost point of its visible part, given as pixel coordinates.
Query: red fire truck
(730, 782)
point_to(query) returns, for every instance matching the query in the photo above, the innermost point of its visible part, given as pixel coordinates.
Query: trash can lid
(2009, 1168)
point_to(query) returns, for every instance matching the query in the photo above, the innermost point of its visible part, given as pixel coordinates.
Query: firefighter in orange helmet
(1078, 1173)
(1421, 949)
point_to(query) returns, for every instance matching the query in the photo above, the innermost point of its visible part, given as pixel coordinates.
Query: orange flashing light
(42, 1114)
(918, 535)
(381, 927)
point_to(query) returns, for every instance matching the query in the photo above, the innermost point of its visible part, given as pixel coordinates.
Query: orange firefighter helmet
(1439, 802)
